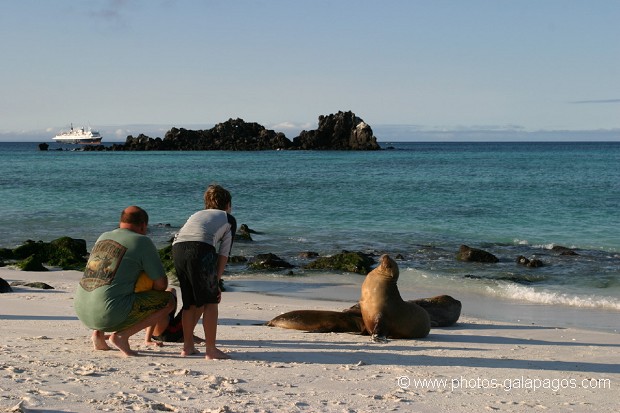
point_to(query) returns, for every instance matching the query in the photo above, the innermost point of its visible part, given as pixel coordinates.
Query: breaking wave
(525, 293)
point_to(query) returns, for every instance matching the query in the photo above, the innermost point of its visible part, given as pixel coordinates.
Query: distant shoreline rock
(65, 252)
(340, 131)
(470, 254)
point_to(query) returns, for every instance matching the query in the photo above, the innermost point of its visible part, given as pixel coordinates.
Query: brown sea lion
(319, 321)
(443, 310)
(385, 313)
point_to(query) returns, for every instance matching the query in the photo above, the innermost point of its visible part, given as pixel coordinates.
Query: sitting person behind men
(173, 332)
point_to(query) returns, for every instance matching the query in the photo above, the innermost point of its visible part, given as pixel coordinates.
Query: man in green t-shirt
(105, 300)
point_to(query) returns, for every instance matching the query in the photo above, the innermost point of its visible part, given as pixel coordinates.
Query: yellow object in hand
(144, 283)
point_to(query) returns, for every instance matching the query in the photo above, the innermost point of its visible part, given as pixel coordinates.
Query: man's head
(216, 197)
(135, 219)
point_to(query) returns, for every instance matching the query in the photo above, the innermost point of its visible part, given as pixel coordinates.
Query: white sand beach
(47, 363)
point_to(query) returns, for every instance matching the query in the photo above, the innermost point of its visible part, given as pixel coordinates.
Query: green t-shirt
(106, 294)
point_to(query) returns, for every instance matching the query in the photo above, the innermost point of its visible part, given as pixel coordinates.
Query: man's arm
(222, 260)
(160, 284)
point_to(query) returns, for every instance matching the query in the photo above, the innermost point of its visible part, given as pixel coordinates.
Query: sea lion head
(388, 268)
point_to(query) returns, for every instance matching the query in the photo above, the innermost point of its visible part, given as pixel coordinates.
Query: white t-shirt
(211, 226)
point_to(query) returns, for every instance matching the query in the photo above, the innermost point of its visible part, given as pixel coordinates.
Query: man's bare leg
(99, 340)
(160, 327)
(189, 319)
(148, 338)
(121, 338)
(209, 323)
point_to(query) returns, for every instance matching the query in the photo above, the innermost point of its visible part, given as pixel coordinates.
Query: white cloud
(121, 133)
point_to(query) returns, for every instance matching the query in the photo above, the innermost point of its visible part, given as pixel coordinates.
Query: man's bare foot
(153, 343)
(216, 354)
(191, 352)
(123, 345)
(99, 340)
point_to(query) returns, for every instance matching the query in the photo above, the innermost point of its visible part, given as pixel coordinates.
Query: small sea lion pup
(385, 313)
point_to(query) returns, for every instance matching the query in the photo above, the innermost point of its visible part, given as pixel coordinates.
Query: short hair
(216, 197)
(134, 215)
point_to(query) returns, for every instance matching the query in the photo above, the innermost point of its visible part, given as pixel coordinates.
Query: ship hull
(79, 136)
(80, 141)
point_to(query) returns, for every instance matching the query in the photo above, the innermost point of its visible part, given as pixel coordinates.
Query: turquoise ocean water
(419, 200)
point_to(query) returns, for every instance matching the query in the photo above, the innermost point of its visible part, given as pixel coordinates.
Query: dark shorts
(196, 267)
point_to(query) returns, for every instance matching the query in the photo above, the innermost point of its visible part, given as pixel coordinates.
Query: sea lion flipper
(380, 329)
(378, 339)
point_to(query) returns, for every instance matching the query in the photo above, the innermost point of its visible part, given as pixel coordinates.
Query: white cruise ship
(79, 136)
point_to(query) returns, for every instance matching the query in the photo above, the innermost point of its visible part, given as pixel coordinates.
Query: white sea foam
(551, 245)
(525, 293)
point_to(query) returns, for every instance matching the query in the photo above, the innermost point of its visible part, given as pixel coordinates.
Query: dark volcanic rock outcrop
(269, 262)
(232, 135)
(357, 262)
(5, 287)
(244, 233)
(533, 263)
(475, 255)
(34, 284)
(563, 250)
(340, 131)
(65, 252)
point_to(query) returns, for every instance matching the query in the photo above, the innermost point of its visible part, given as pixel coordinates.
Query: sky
(139, 66)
